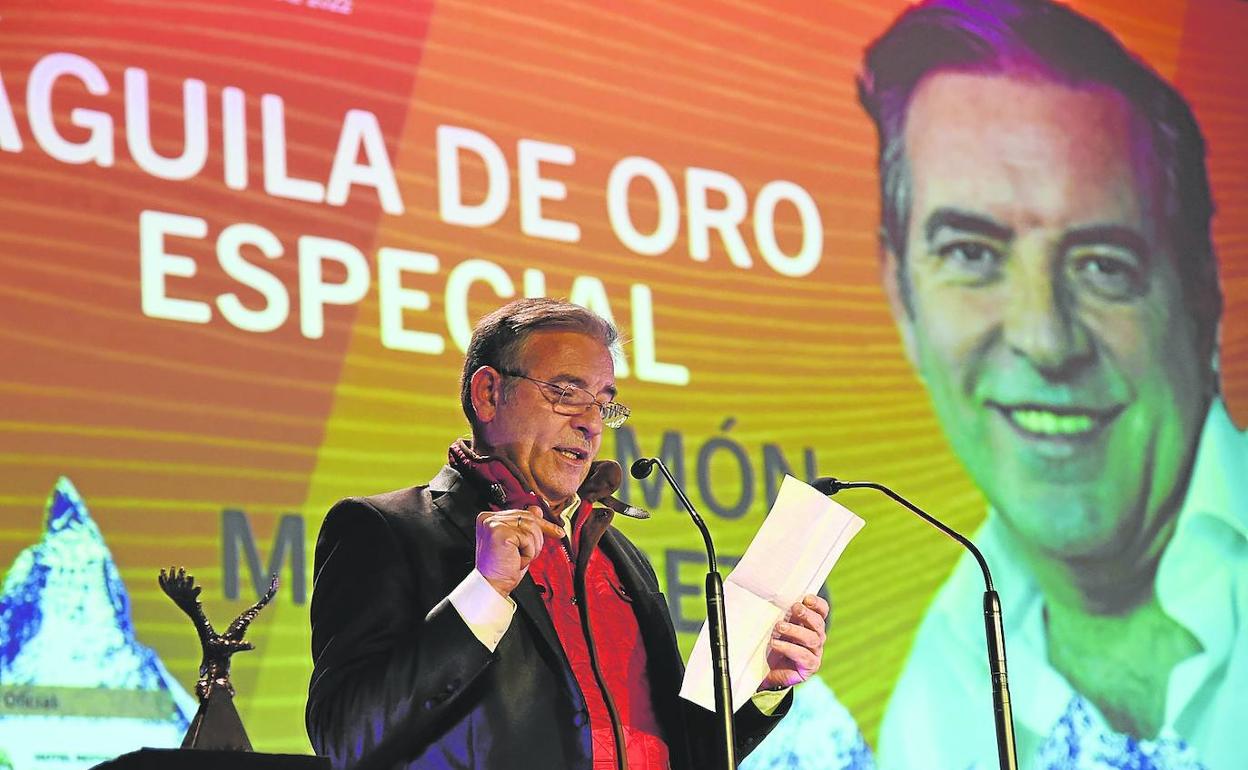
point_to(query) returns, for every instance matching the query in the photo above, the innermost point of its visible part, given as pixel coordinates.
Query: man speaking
(1047, 253)
(493, 618)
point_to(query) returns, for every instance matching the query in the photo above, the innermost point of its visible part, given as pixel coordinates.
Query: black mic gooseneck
(994, 630)
(715, 615)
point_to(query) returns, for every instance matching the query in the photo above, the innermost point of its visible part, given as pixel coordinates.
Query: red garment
(617, 641)
(616, 635)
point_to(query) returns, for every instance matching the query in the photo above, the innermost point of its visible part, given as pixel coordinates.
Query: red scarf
(614, 638)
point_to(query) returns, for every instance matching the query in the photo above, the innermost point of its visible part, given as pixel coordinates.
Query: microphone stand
(714, 614)
(994, 631)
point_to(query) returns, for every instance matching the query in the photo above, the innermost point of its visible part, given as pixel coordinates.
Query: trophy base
(216, 725)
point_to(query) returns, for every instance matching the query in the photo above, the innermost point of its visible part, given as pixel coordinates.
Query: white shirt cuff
(485, 611)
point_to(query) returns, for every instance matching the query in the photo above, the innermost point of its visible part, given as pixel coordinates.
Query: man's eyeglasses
(572, 400)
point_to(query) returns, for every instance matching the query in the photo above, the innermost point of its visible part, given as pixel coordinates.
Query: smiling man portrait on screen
(1047, 255)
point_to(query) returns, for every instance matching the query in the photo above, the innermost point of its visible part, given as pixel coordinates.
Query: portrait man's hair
(1045, 40)
(499, 337)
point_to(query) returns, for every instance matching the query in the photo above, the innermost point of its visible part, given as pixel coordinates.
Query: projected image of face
(1043, 313)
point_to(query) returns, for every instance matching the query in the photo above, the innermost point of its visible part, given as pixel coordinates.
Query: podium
(203, 759)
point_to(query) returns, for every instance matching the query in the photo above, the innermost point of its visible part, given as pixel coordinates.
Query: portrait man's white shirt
(1201, 582)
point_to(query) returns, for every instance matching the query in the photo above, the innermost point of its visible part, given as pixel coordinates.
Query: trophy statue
(216, 724)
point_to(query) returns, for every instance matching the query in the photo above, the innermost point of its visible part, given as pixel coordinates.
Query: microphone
(715, 613)
(826, 485)
(830, 486)
(994, 630)
(641, 469)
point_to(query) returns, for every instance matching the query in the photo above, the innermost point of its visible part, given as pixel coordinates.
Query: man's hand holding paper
(796, 648)
(776, 625)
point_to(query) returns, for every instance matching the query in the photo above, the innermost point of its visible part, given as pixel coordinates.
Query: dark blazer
(391, 688)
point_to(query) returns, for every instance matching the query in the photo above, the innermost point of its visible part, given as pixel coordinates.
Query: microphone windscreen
(826, 485)
(641, 468)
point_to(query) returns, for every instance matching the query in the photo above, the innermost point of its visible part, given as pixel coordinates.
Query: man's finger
(818, 604)
(526, 545)
(802, 635)
(551, 529)
(805, 661)
(534, 537)
(807, 617)
(548, 528)
(517, 524)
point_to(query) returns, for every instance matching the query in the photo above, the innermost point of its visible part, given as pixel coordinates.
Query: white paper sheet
(791, 556)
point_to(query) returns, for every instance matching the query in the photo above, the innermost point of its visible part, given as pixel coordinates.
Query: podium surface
(201, 759)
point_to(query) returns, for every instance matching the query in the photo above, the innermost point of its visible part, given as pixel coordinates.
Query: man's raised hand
(507, 541)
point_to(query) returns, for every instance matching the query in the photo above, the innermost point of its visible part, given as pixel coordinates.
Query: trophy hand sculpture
(216, 724)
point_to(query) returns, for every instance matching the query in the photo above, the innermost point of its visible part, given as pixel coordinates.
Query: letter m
(236, 538)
